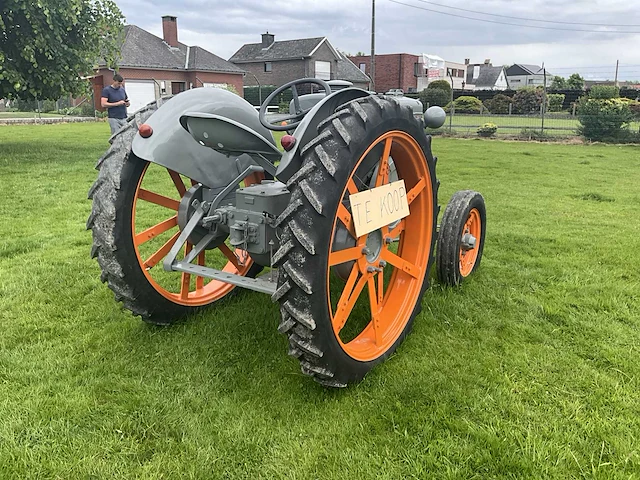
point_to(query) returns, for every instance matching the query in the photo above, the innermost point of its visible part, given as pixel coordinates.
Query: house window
(460, 73)
(449, 72)
(267, 66)
(323, 70)
(515, 81)
(531, 81)
(363, 67)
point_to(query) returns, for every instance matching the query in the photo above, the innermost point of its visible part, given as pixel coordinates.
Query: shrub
(634, 107)
(498, 104)
(48, 106)
(466, 104)
(487, 130)
(555, 102)
(603, 119)
(440, 85)
(434, 96)
(534, 134)
(85, 110)
(527, 100)
(604, 92)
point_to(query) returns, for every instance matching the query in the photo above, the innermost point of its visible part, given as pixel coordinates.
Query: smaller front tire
(461, 237)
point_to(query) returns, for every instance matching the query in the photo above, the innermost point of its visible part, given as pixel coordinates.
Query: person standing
(115, 100)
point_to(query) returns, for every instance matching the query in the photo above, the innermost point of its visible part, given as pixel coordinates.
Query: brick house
(394, 70)
(153, 66)
(272, 62)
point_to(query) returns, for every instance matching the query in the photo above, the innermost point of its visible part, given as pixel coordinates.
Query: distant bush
(466, 104)
(440, 85)
(487, 130)
(48, 106)
(434, 96)
(498, 104)
(534, 134)
(527, 100)
(85, 110)
(603, 119)
(604, 92)
(555, 102)
(634, 107)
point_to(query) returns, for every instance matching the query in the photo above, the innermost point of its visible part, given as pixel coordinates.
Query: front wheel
(135, 223)
(461, 237)
(348, 301)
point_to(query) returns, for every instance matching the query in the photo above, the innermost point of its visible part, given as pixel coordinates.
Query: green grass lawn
(28, 115)
(531, 369)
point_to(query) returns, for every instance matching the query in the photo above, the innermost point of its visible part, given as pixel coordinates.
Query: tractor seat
(227, 136)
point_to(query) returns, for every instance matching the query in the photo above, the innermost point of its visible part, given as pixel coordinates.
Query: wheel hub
(468, 242)
(373, 246)
(188, 205)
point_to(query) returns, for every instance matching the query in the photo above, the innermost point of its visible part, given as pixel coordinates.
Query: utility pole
(544, 96)
(373, 45)
(615, 82)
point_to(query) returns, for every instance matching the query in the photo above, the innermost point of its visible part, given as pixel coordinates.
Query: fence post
(510, 107)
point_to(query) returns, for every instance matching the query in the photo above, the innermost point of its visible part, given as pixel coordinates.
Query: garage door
(140, 93)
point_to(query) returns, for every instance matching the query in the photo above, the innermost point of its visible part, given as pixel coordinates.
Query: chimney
(467, 61)
(487, 61)
(170, 30)
(267, 39)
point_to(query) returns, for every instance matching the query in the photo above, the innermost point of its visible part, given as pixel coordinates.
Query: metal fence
(543, 124)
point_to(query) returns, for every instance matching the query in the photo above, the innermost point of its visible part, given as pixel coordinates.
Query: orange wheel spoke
(399, 263)
(348, 299)
(415, 191)
(380, 289)
(345, 217)
(230, 255)
(342, 256)
(156, 230)
(375, 309)
(158, 199)
(162, 252)
(199, 279)
(177, 181)
(383, 168)
(185, 281)
(351, 187)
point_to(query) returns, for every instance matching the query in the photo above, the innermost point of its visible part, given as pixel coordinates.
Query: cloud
(223, 27)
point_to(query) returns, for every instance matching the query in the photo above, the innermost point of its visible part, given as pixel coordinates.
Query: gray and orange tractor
(194, 199)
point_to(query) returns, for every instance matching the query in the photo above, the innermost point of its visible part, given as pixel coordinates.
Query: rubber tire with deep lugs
(110, 221)
(448, 253)
(328, 163)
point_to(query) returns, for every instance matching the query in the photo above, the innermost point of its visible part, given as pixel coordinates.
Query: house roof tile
(281, 50)
(347, 70)
(142, 49)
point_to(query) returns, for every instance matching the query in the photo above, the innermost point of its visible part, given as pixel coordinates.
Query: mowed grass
(530, 369)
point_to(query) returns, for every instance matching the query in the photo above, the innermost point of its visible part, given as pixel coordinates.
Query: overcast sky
(407, 26)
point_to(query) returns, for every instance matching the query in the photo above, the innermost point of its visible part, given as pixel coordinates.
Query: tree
(46, 47)
(441, 85)
(434, 97)
(575, 82)
(558, 83)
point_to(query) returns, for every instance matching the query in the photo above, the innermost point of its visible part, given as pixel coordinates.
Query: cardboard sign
(378, 207)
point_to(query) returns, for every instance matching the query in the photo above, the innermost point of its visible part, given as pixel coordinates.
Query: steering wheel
(299, 112)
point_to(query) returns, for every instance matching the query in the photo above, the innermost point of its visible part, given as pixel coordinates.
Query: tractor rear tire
(455, 259)
(117, 242)
(318, 307)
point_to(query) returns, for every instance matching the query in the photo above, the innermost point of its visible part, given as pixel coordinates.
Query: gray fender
(172, 146)
(290, 162)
